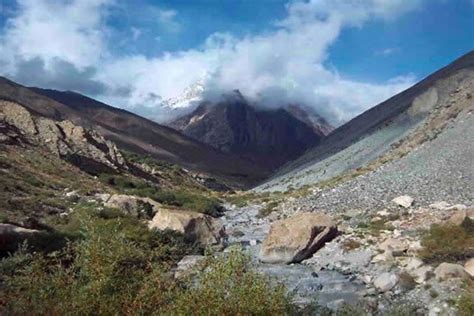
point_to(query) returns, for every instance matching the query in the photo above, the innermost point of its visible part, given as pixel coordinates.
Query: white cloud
(284, 65)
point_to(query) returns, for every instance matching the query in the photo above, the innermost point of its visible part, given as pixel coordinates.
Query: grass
(117, 266)
(194, 201)
(448, 242)
(465, 303)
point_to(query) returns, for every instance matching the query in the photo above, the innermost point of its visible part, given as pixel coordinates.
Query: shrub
(229, 286)
(118, 267)
(447, 243)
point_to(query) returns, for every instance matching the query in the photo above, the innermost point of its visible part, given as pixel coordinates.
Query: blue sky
(339, 56)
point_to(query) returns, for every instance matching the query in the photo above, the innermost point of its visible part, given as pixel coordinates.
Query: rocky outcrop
(131, 205)
(11, 235)
(297, 238)
(85, 148)
(195, 226)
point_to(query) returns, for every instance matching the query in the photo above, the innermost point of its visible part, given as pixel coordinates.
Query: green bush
(448, 243)
(181, 199)
(119, 267)
(229, 286)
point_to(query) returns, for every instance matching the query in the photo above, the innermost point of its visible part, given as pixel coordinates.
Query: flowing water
(326, 287)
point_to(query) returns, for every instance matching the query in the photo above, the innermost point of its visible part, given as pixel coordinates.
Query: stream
(326, 287)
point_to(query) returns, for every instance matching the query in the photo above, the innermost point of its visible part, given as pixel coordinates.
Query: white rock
(469, 267)
(403, 201)
(447, 271)
(383, 213)
(414, 263)
(440, 206)
(386, 281)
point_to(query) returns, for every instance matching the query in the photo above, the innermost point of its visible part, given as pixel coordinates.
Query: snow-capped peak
(190, 95)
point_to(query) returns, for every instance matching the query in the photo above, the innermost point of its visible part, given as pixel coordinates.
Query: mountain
(267, 137)
(132, 133)
(419, 142)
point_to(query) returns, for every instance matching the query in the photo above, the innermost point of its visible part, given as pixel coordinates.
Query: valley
(236, 210)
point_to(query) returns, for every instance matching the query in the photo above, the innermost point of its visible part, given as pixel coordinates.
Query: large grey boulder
(297, 238)
(195, 226)
(446, 271)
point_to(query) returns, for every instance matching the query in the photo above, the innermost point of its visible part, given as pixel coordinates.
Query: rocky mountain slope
(268, 137)
(132, 133)
(417, 141)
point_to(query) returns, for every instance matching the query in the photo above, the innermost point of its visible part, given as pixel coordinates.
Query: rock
(383, 257)
(440, 206)
(403, 201)
(447, 271)
(413, 264)
(297, 238)
(386, 281)
(11, 235)
(195, 226)
(469, 267)
(406, 282)
(187, 265)
(132, 205)
(383, 213)
(460, 215)
(396, 246)
(85, 148)
(422, 274)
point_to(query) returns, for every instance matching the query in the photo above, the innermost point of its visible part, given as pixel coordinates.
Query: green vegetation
(465, 303)
(267, 210)
(448, 242)
(117, 266)
(33, 182)
(178, 198)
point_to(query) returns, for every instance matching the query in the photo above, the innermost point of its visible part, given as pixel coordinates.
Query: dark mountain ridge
(132, 132)
(267, 137)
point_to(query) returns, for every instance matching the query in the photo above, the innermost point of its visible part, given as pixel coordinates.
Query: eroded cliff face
(85, 148)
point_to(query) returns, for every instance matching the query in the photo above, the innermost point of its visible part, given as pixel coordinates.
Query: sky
(339, 57)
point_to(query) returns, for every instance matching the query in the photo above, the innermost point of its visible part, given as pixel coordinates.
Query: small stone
(422, 274)
(446, 271)
(413, 264)
(403, 201)
(386, 281)
(396, 246)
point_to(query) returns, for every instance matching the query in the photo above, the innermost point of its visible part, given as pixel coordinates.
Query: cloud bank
(67, 45)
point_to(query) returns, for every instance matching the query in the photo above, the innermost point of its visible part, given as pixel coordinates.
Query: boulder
(297, 238)
(460, 215)
(386, 281)
(403, 201)
(11, 235)
(195, 226)
(188, 265)
(132, 205)
(469, 267)
(447, 271)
